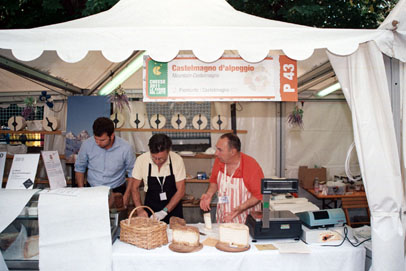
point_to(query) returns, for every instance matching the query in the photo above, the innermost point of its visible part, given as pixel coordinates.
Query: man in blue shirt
(107, 159)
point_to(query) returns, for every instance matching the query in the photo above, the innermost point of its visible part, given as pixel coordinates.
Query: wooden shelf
(178, 130)
(197, 181)
(58, 132)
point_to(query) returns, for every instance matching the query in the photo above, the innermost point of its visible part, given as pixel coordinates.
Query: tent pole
(24, 70)
(280, 139)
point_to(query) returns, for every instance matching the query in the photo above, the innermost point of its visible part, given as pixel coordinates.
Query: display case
(19, 242)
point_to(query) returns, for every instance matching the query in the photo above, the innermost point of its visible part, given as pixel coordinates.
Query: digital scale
(275, 224)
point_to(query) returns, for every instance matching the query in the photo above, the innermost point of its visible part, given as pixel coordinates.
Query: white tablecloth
(345, 257)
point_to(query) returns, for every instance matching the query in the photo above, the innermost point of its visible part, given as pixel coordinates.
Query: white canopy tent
(209, 27)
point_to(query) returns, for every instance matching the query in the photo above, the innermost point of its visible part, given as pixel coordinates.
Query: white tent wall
(139, 140)
(59, 111)
(363, 80)
(402, 80)
(323, 141)
(259, 119)
(214, 26)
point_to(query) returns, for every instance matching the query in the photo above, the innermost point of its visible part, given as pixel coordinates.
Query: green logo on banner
(157, 79)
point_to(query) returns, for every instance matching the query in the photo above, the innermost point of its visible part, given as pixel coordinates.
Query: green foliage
(33, 13)
(320, 13)
(96, 6)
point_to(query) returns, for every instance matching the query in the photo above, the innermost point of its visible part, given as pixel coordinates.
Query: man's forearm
(212, 189)
(80, 179)
(135, 192)
(128, 189)
(177, 197)
(252, 201)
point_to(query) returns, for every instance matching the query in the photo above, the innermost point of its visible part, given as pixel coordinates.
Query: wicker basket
(143, 232)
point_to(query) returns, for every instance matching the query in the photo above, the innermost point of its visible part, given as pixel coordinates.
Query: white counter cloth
(75, 230)
(346, 257)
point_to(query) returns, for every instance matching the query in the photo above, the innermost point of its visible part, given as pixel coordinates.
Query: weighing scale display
(269, 186)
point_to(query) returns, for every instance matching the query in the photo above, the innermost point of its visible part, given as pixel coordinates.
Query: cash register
(275, 224)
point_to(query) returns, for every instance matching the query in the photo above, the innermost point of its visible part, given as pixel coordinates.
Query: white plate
(186, 153)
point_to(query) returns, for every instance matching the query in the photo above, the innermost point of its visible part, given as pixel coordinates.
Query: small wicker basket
(143, 232)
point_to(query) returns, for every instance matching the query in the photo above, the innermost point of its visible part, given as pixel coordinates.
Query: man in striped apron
(236, 177)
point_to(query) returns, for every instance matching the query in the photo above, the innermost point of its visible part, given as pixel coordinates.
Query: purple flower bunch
(295, 118)
(119, 99)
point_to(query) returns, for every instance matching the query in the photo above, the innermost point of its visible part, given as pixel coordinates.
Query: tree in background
(319, 13)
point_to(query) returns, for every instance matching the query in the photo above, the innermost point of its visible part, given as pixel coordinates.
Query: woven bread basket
(143, 232)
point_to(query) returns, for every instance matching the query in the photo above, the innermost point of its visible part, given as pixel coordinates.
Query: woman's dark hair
(103, 125)
(233, 141)
(159, 142)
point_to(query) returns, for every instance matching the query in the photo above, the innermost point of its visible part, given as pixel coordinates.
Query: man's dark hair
(159, 142)
(103, 125)
(233, 141)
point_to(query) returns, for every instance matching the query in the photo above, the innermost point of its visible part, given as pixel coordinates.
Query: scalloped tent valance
(163, 28)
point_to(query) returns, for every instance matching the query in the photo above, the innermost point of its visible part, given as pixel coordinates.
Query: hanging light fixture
(330, 89)
(123, 75)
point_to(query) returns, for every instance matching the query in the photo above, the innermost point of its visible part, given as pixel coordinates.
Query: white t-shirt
(141, 166)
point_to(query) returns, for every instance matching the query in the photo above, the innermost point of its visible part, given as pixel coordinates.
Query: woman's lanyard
(162, 195)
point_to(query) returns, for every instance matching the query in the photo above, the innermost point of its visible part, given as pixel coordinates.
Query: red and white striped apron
(237, 193)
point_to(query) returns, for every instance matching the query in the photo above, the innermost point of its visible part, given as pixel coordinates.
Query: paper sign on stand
(2, 163)
(23, 170)
(53, 168)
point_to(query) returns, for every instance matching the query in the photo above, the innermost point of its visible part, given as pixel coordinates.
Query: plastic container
(316, 185)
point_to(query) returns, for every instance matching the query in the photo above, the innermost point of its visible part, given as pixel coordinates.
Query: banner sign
(230, 78)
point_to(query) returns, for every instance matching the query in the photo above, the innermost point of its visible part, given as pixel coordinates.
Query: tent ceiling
(208, 27)
(84, 52)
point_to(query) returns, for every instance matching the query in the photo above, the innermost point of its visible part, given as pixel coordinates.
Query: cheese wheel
(199, 122)
(50, 124)
(118, 119)
(137, 120)
(178, 121)
(219, 122)
(157, 121)
(16, 123)
(234, 234)
(186, 236)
